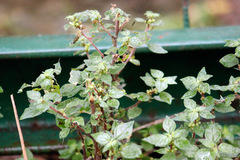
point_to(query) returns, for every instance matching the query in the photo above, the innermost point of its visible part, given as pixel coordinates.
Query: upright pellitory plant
(94, 87)
(200, 137)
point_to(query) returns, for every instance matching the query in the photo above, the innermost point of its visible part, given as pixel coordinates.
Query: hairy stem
(93, 112)
(79, 128)
(90, 40)
(135, 105)
(83, 144)
(106, 30)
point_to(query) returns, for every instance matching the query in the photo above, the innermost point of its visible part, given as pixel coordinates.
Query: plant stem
(83, 144)
(130, 55)
(136, 104)
(116, 32)
(89, 39)
(78, 127)
(127, 20)
(159, 121)
(106, 30)
(19, 128)
(93, 112)
(104, 120)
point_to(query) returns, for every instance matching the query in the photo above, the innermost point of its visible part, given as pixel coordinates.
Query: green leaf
(182, 143)
(134, 112)
(64, 133)
(198, 130)
(113, 103)
(131, 151)
(116, 93)
(205, 88)
(142, 96)
(159, 140)
(156, 73)
(222, 108)
(79, 121)
(192, 116)
(169, 125)
(135, 42)
(135, 62)
(111, 50)
(221, 88)
(156, 48)
(204, 153)
(165, 97)
(229, 60)
(190, 82)
(237, 51)
(74, 77)
(52, 96)
(212, 133)
(189, 94)
(117, 68)
(168, 156)
(101, 137)
(202, 75)
(207, 113)
(207, 143)
(69, 90)
(58, 68)
(24, 85)
(31, 111)
(34, 95)
(179, 133)
(124, 130)
(190, 104)
(208, 101)
(106, 78)
(1, 89)
(122, 50)
(140, 20)
(231, 43)
(229, 99)
(229, 150)
(161, 85)
(148, 80)
(150, 14)
(171, 79)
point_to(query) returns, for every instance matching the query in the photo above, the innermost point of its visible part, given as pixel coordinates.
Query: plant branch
(106, 30)
(130, 55)
(93, 112)
(19, 128)
(83, 144)
(116, 33)
(127, 20)
(159, 121)
(134, 105)
(90, 40)
(78, 127)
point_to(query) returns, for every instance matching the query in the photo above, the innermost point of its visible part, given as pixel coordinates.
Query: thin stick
(19, 129)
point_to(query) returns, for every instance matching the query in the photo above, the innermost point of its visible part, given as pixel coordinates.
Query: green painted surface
(172, 40)
(22, 59)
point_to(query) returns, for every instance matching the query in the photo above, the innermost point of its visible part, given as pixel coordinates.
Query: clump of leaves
(89, 103)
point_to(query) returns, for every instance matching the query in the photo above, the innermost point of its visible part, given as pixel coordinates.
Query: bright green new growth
(89, 103)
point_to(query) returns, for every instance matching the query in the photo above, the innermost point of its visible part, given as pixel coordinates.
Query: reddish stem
(90, 40)
(105, 29)
(93, 112)
(136, 104)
